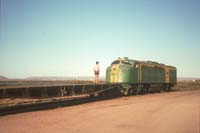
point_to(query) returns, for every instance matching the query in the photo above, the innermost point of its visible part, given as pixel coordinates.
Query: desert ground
(169, 112)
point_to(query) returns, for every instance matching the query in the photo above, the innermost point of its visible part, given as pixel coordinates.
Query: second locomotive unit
(141, 76)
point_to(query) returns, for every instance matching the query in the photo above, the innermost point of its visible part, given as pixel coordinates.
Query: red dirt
(173, 112)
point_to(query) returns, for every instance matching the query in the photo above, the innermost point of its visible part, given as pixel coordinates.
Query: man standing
(96, 72)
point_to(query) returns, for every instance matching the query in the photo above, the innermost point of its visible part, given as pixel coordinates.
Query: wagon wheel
(91, 95)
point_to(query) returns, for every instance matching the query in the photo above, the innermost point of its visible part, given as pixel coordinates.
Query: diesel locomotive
(141, 76)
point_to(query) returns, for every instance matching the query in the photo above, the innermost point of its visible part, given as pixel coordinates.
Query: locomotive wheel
(131, 91)
(168, 88)
(144, 90)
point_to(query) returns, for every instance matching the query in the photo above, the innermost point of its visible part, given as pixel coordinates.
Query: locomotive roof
(153, 63)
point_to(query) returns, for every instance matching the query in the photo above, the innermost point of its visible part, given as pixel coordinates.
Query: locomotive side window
(137, 66)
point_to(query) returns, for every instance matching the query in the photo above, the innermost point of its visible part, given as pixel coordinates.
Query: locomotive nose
(114, 74)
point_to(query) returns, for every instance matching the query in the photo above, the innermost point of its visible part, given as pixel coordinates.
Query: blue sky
(66, 37)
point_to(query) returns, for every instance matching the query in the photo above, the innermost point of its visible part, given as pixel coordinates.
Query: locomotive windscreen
(122, 62)
(116, 62)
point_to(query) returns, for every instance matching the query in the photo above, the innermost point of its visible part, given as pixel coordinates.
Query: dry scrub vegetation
(184, 86)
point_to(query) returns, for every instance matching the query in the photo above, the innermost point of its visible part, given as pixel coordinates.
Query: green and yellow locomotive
(141, 76)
